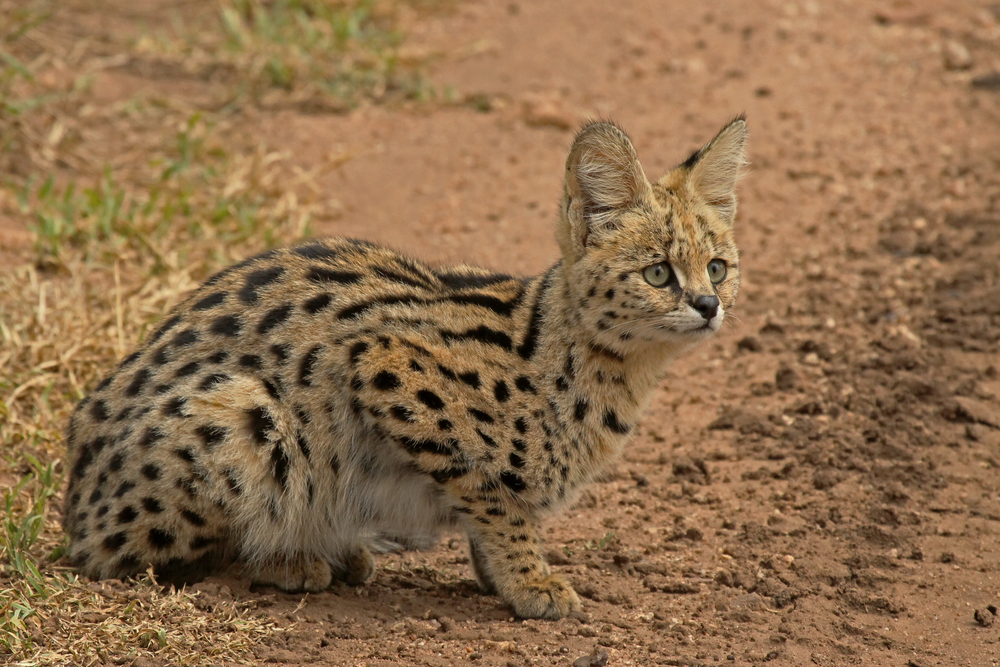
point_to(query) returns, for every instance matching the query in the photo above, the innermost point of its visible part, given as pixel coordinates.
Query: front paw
(549, 597)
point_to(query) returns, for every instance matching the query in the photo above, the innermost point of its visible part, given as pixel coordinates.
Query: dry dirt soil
(821, 484)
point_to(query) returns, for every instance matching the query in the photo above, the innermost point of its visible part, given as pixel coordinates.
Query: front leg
(507, 559)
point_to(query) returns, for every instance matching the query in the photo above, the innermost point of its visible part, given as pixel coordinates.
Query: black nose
(707, 305)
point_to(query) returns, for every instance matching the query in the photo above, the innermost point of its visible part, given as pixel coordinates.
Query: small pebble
(956, 56)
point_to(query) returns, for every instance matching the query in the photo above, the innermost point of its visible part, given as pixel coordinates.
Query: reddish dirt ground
(819, 485)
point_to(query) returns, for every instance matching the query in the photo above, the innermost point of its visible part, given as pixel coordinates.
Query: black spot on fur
(94, 497)
(151, 436)
(402, 413)
(261, 423)
(160, 357)
(335, 464)
(315, 251)
(414, 366)
(271, 388)
(317, 303)
(117, 461)
(210, 301)
(227, 325)
(445, 425)
(193, 518)
(139, 381)
(151, 471)
(516, 460)
(303, 445)
(211, 435)
(115, 542)
(481, 416)
(447, 372)
(320, 276)
(164, 328)
(152, 505)
(232, 481)
(501, 391)
(358, 309)
(606, 353)
(187, 485)
(414, 446)
(251, 361)
(124, 414)
(127, 514)
(256, 280)
(460, 280)
(442, 476)
(189, 368)
(280, 352)
(185, 454)
(357, 350)
(526, 350)
(308, 365)
(482, 334)
(279, 465)
(185, 338)
(490, 442)
(397, 277)
(161, 539)
(471, 378)
(99, 411)
(130, 359)
(161, 389)
(561, 383)
(524, 384)
(124, 488)
(212, 381)
(513, 481)
(430, 399)
(580, 411)
(498, 306)
(201, 541)
(519, 445)
(104, 384)
(218, 357)
(521, 424)
(175, 407)
(273, 318)
(386, 381)
(357, 384)
(611, 421)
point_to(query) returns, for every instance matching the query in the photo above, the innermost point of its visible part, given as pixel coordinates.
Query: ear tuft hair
(603, 176)
(714, 169)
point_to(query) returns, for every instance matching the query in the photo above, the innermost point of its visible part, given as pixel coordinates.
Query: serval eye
(657, 274)
(716, 271)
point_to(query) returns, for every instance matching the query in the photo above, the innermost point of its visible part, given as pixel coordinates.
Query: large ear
(603, 177)
(713, 170)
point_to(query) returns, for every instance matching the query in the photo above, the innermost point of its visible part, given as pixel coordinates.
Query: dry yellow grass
(130, 205)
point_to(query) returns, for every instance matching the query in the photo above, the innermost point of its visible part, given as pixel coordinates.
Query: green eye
(657, 275)
(716, 271)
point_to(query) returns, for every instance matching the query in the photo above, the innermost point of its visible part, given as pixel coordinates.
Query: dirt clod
(597, 658)
(984, 617)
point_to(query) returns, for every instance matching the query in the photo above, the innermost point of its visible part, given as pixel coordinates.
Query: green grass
(315, 55)
(193, 199)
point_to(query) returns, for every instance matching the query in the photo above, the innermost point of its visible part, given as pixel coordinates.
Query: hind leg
(296, 573)
(358, 566)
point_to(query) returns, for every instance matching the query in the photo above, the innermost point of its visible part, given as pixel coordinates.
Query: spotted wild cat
(311, 402)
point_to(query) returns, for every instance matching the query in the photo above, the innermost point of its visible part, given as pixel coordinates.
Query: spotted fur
(314, 401)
